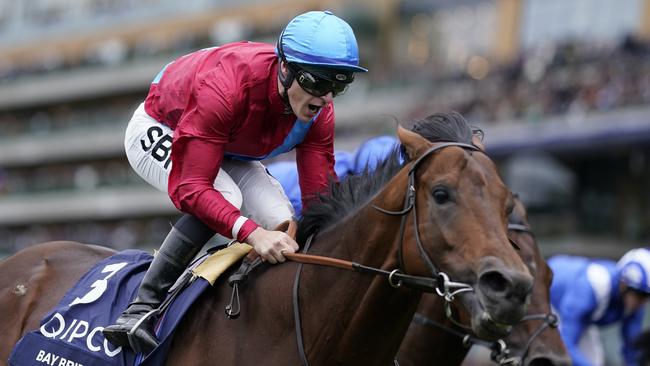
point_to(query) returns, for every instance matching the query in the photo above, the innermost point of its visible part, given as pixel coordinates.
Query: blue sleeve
(575, 311)
(631, 330)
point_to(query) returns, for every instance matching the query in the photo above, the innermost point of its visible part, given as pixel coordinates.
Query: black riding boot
(132, 329)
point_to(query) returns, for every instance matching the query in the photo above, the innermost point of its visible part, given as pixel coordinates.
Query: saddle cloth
(70, 334)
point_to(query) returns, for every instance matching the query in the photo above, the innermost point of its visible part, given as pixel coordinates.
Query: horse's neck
(362, 319)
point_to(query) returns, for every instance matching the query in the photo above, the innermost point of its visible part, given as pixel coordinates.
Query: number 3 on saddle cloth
(71, 334)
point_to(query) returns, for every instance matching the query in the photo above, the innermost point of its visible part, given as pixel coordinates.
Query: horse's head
(536, 339)
(458, 228)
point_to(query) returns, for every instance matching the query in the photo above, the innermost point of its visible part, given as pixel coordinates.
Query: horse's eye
(440, 195)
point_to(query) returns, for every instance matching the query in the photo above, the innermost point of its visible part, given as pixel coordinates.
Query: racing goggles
(318, 84)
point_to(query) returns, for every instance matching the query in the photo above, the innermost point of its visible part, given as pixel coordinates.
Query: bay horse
(441, 215)
(433, 338)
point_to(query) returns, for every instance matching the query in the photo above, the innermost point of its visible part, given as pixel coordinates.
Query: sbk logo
(158, 144)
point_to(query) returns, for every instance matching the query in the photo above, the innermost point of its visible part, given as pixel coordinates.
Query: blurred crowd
(112, 52)
(122, 234)
(66, 117)
(572, 79)
(67, 177)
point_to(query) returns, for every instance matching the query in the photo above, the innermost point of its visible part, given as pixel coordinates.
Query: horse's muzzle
(504, 293)
(548, 360)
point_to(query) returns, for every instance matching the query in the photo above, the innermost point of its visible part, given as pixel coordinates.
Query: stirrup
(136, 343)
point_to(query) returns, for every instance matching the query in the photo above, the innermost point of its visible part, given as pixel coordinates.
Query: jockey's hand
(270, 244)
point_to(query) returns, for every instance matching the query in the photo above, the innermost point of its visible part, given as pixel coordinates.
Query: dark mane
(356, 190)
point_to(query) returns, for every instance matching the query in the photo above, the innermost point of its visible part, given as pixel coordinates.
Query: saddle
(71, 332)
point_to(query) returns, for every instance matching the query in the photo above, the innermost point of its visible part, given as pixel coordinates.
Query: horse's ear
(414, 144)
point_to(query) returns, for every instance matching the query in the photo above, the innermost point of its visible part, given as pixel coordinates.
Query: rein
(395, 277)
(337, 263)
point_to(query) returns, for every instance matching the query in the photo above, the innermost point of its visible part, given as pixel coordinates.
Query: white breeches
(245, 184)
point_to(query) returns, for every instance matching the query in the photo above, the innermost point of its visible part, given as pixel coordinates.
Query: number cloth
(70, 334)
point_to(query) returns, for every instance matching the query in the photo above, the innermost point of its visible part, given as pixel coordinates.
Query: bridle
(439, 281)
(445, 288)
(500, 352)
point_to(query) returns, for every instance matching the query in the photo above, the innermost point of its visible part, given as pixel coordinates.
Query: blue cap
(320, 38)
(635, 269)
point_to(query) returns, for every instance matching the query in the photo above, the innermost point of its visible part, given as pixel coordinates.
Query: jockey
(223, 109)
(588, 293)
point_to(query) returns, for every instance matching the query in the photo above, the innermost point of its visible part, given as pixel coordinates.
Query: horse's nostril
(548, 361)
(494, 281)
(541, 361)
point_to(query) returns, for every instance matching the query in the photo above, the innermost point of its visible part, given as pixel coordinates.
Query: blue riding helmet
(320, 39)
(634, 268)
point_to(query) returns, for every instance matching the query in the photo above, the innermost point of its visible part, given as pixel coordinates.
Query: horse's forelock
(444, 127)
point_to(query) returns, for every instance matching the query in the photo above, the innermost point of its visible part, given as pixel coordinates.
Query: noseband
(444, 287)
